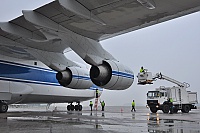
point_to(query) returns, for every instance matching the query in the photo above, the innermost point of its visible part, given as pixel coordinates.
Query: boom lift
(157, 100)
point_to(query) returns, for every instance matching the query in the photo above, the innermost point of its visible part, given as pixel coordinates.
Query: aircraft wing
(94, 19)
(101, 19)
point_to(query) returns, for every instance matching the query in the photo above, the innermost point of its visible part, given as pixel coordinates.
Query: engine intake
(64, 77)
(100, 75)
(75, 78)
(111, 75)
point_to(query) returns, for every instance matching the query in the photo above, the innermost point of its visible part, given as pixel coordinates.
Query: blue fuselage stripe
(23, 73)
(122, 74)
(12, 71)
(81, 77)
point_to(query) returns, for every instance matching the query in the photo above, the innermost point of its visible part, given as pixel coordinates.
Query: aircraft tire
(3, 107)
(68, 107)
(72, 107)
(76, 107)
(80, 107)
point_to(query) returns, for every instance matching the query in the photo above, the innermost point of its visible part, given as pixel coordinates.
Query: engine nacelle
(112, 75)
(75, 78)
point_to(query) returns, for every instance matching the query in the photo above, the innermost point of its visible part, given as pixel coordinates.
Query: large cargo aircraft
(30, 81)
(44, 35)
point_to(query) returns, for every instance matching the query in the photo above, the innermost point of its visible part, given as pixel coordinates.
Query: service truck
(158, 99)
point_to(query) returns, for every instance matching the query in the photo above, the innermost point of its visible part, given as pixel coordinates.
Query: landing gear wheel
(80, 108)
(3, 107)
(165, 108)
(76, 107)
(153, 109)
(70, 107)
(186, 109)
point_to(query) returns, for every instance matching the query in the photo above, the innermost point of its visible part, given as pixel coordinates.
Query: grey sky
(172, 48)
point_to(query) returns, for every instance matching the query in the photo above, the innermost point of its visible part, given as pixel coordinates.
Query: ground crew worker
(133, 106)
(91, 105)
(102, 105)
(142, 69)
(171, 105)
(97, 93)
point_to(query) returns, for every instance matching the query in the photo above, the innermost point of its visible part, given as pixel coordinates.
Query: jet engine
(112, 75)
(75, 78)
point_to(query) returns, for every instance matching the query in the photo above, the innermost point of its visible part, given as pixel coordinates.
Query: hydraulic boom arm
(147, 78)
(161, 76)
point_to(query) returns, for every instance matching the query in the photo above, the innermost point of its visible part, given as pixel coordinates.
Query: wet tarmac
(112, 120)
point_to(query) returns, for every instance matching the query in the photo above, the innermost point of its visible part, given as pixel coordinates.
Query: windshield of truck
(151, 94)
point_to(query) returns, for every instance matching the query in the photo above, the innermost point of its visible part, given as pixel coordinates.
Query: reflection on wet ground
(112, 120)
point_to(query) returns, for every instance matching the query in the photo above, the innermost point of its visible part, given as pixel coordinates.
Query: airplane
(34, 68)
(23, 83)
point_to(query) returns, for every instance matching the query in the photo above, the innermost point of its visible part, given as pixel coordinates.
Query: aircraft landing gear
(70, 107)
(77, 107)
(3, 107)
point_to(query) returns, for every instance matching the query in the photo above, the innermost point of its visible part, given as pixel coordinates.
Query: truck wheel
(186, 109)
(3, 107)
(165, 108)
(153, 109)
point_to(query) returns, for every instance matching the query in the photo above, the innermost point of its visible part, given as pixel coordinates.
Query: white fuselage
(30, 82)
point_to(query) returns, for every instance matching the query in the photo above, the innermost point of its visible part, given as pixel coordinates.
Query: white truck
(157, 100)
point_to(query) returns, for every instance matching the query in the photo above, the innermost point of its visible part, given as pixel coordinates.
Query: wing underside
(108, 18)
(57, 26)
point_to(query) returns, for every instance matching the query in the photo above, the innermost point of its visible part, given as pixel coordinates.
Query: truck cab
(156, 98)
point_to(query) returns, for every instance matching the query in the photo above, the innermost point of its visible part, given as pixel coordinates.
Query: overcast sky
(172, 48)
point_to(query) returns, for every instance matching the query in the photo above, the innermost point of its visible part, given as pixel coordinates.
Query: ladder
(96, 99)
(180, 104)
(96, 103)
